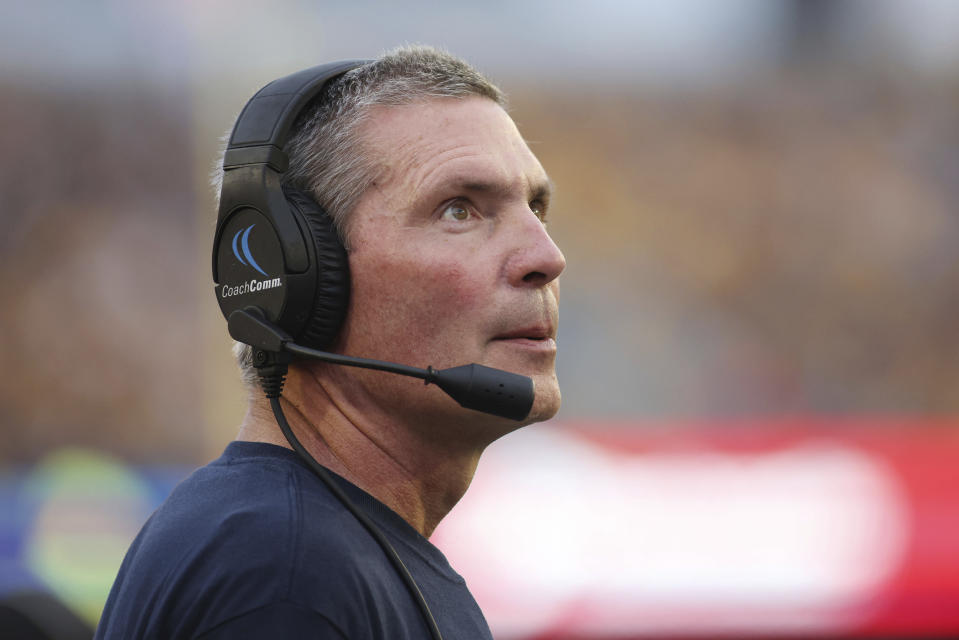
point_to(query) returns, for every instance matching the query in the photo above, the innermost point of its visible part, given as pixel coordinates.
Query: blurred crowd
(778, 244)
(781, 247)
(101, 269)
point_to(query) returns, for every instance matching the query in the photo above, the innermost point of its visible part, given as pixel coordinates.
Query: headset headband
(263, 127)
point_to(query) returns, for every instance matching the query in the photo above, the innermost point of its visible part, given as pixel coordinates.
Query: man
(442, 207)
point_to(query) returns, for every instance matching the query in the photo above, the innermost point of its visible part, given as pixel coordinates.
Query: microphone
(473, 386)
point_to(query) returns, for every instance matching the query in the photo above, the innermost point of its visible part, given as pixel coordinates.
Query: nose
(535, 260)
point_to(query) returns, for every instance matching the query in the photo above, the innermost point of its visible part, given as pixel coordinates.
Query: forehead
(420, 146)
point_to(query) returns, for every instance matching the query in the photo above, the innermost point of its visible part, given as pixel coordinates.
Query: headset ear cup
(332, 273)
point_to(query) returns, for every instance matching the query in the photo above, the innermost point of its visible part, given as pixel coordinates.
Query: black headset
(275, 248)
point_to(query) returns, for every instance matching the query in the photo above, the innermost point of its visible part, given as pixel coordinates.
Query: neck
(419, 477)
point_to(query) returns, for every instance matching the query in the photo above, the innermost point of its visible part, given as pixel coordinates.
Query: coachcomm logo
(245, 244)
(241, 244)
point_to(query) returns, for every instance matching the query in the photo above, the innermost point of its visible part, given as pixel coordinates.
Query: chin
(547, 401)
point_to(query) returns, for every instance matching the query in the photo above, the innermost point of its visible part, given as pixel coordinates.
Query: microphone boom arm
(473, 386)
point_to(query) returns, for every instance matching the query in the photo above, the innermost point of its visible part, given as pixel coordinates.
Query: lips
(537, 333)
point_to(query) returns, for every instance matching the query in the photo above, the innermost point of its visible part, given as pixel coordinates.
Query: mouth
(533, 337)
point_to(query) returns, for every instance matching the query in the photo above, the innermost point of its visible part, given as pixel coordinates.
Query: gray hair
(326, 150)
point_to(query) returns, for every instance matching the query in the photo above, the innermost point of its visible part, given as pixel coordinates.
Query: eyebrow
(540, 190)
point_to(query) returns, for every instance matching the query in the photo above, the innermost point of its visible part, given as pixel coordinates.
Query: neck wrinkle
(418, 480)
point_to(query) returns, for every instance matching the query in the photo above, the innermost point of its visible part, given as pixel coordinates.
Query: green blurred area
(85, 508)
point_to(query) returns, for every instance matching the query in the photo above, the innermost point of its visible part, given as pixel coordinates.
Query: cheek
(409, 298)
(448, 290)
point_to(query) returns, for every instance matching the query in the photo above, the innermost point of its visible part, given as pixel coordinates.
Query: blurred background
(759, 204)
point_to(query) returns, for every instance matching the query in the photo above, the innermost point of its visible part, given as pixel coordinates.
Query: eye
(538, 207)
(456, 212)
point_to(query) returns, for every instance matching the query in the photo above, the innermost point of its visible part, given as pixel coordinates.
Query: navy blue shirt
(254, 545)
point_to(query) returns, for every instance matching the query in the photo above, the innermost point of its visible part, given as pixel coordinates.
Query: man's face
(450, 259)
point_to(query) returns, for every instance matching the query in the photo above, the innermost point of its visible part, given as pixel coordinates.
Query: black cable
(274, 382)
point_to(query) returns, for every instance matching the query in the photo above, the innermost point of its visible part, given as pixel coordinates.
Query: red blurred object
(787, 528)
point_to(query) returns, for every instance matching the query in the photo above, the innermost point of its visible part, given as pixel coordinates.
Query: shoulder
(265, 515)
(242, 534)
(230, 508)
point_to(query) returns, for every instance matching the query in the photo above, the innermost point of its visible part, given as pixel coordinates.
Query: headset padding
(332, 273)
